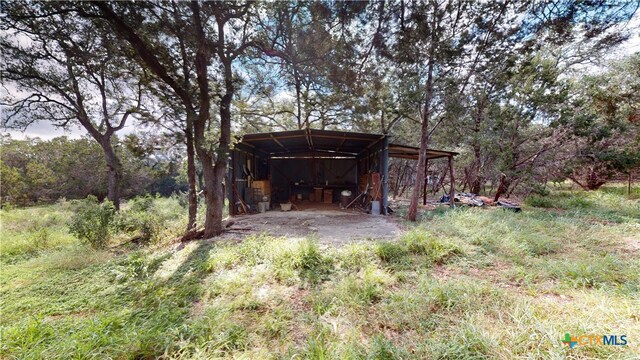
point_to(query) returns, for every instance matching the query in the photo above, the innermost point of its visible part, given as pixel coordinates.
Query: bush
(539, 189)
(141, 203)
(40, 239)
(140, 219)
(91, 221)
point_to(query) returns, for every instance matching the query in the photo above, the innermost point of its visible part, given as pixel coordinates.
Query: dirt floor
(327, 222)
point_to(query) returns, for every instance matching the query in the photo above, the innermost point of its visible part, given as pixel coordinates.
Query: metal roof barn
(312, 166)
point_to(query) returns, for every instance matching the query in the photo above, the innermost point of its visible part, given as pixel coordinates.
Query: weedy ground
(463, 283)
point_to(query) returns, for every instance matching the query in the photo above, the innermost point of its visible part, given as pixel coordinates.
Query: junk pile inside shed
(311, 169)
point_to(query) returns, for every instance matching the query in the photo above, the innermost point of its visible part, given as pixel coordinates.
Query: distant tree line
(37, 171)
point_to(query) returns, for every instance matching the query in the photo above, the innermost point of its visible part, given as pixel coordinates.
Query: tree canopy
(519, 88)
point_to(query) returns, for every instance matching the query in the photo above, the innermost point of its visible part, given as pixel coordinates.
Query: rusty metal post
(425, 187)
(230, 186)
(384, 164)
(453, 182)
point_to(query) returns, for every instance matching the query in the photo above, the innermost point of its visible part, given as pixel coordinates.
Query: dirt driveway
(329, 226)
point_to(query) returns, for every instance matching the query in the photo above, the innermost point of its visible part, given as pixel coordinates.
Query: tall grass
(464, 284)
(25, 233)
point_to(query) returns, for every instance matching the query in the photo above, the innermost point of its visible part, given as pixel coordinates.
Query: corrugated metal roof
(412, 152)
(311, 140)
(328, 142)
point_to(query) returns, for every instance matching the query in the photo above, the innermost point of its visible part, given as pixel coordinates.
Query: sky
(46, 131)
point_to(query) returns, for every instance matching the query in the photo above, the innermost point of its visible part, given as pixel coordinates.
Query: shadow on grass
(194, 263)
(164, 308)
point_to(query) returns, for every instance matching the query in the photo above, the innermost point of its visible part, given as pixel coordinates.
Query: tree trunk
(502, 187)
(424, 129)
(191, 176)
(475, 180)
(422, 156)
(213, 174)
(215, 186)
(298, 101)
(425, 188)
(114, 169)
(424, 143)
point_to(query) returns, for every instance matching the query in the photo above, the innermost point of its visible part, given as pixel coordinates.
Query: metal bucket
(375, 208)
(345, 198)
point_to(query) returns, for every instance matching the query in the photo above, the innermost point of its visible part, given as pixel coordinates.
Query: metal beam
(453, 183)
(278, 142)
(384, 165)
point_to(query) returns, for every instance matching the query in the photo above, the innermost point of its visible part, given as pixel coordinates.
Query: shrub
(40, 239)
(539, 189)
(91, 221)
(146, 225)
(141, 219)
(135, 266)
(141, 203)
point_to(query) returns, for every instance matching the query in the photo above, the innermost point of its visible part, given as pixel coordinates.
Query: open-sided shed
(309, 164)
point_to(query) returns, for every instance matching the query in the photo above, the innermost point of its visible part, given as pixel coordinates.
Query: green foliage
(145, 226)
(540, 189)
(383, 349)
(37, 171)
(91, 222)
(149, 219)
(606, 124)
(606, 272)
(33, 231)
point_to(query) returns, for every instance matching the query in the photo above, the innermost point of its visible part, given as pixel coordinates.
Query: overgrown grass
(27, 232)
(467, 283)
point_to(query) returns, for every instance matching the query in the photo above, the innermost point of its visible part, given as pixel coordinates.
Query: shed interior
(311, 166)
(314, 167)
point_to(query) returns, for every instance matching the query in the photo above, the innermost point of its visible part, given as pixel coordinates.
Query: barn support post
(426, 179)
(231, 183)
(453, 182)
(384, 164)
